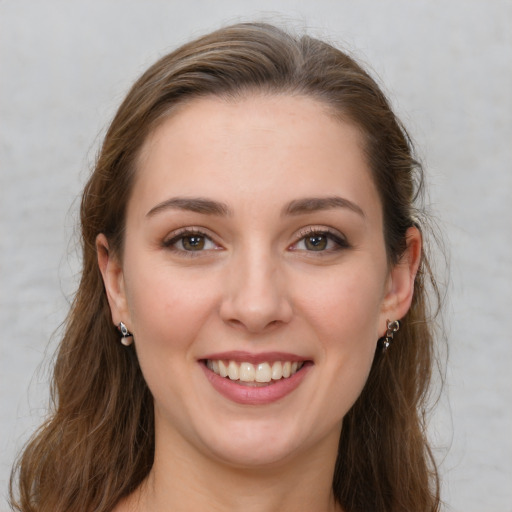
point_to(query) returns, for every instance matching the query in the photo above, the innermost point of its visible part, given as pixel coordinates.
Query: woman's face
(254, 247)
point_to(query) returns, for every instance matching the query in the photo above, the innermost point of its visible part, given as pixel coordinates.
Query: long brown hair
(98, 443)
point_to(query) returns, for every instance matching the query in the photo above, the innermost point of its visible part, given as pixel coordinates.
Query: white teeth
(233, 371)
(248, 372)
(277, 370)
(263, 373)
(223, 369)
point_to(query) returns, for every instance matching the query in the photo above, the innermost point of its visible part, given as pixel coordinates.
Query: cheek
(166, 308)
(344, 303)
(338, 314)
(344, 313)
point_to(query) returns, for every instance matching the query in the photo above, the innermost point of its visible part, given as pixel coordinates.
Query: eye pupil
(193, 242)
(316, 242)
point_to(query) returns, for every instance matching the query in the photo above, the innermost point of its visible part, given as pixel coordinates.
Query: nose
(256, 295)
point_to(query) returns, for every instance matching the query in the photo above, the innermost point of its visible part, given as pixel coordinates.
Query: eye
(190, 240)
(316, 242)
(320, 240)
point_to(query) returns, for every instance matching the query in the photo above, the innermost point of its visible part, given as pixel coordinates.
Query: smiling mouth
(248, 374)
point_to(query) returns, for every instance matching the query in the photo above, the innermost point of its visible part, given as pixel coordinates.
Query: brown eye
(316, 242)
(321, 241)
(193, 242)
(190, 241)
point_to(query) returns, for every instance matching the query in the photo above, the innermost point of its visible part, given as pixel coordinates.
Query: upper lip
(249, 357)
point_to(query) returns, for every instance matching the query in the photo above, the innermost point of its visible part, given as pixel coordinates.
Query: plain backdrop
(447, 67)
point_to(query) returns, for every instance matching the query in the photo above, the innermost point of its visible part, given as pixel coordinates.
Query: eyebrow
(295, 207)
(192, 204)
(312, 204)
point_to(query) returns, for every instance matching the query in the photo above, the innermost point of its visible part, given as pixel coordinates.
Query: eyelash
(331, 236)
(183, 234)
(337, 238)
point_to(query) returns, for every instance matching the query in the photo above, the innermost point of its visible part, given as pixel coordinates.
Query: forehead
(269, 147)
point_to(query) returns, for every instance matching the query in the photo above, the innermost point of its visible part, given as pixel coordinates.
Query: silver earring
(392, 328)
(126, 335)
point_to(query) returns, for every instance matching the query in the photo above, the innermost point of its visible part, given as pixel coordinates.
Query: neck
(183, 480)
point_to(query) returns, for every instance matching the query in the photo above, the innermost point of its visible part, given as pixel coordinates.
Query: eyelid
(173, 237)
(335, 235)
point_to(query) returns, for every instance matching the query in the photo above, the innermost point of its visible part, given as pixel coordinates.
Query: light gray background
(447, 65)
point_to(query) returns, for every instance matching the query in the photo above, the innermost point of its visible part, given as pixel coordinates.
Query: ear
(400, 285)
(113, 279)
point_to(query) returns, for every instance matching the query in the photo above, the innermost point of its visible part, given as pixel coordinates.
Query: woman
(250, 331)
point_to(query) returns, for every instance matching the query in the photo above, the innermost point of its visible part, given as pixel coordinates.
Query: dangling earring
(392, 327)
(127, 336)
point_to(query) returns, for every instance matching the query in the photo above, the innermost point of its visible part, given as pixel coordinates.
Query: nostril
(234, 322)
(253, 326)
(255, 305)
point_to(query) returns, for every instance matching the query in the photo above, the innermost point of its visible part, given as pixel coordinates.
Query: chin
(253, 444)
(251, 456)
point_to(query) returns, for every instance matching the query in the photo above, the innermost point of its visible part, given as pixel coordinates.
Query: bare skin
(254, 228)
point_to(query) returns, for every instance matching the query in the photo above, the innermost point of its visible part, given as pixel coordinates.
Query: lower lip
(251, 395)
